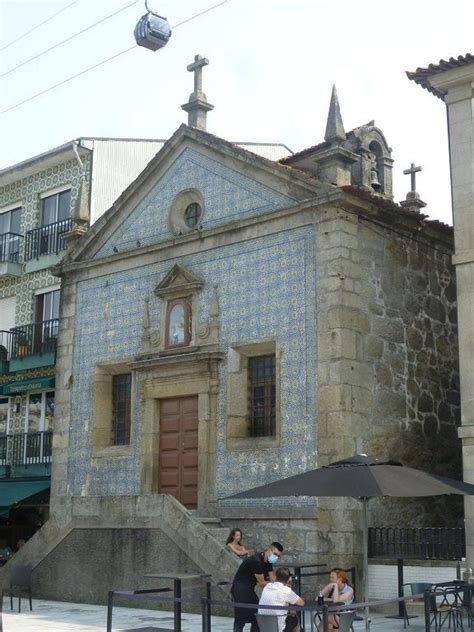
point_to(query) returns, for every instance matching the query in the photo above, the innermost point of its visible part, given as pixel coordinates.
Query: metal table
(177, 579)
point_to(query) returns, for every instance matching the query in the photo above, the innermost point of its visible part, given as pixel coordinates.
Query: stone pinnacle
(334, 126)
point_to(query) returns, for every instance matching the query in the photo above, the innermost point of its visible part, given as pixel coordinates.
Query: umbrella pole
(365, 547)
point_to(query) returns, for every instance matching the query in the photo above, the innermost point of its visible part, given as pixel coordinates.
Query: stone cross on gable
(198, 106)
(412, 171)
(196, 67)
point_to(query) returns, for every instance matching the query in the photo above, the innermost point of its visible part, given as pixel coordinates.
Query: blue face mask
(272, 558)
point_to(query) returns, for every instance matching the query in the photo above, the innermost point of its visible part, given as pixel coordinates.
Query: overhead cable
(61, 83)
(68, 39)
(83, 72)
(51, 17)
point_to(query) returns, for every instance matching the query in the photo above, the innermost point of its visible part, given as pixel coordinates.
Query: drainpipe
(74, 149)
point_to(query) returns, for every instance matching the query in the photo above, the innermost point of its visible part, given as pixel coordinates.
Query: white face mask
(272, 558)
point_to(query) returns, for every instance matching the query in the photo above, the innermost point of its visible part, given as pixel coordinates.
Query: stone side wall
(388, 372)
(90, 562)
(387, 382)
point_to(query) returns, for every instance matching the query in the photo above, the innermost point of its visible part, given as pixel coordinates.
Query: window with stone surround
(113, 400)
(253, 417)
(261, 394)
(121, 408)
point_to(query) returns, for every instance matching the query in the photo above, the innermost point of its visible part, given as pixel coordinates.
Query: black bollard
(426, 599)
(110, 601)
(205, 615)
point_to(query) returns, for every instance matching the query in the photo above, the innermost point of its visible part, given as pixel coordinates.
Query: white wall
(7, 312)
(383, 578)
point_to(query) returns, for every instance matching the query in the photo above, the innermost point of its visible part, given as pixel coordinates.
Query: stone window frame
(237, 426)
(176, 215)
(101, 436)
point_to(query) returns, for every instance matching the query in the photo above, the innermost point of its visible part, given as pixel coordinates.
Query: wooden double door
(178, 452)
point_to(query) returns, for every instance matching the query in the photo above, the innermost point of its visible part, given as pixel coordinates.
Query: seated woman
(234, 544)
(337, 592)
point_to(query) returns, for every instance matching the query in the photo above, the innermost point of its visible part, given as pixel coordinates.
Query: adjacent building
(452, 81)
(44, 202)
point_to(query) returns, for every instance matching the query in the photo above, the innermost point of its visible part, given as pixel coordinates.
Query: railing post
(205, 616)
(426, 600)
(325, 619)
(208, 597)
(110, 601)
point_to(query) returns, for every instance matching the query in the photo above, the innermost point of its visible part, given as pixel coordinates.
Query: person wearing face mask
(255, 569)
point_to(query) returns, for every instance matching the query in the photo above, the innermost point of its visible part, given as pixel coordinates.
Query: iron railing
(46, 240)
(417, 544)
(26, 448)
(10, 247)
(40, 337)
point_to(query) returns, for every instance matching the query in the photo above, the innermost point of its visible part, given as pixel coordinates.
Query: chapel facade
(233, 320)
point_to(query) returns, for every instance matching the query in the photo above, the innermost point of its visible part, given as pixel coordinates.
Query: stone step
(209, 521)
(220, 533)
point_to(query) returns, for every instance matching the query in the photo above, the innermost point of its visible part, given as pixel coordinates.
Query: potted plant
(21, 345)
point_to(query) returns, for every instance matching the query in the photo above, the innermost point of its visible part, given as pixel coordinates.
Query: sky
(272, 67)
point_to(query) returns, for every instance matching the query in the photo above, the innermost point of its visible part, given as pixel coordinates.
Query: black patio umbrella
(361, 477)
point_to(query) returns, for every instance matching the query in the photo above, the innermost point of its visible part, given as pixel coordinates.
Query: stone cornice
(149, 361)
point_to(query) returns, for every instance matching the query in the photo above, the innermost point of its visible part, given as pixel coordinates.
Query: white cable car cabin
(152, 30)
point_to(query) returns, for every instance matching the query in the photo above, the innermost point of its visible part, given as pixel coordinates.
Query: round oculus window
(192, 214)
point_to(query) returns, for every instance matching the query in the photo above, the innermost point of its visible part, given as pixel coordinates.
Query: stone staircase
(215, 527)
(201, 540)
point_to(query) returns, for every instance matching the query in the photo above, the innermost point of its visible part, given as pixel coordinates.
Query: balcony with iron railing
(25, 454)
(10, 244)
(29, 346)
(46, 240)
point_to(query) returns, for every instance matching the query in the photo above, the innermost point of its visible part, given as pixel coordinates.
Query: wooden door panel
(189, 405)
(170, 424)
(190, 441)
(178, 455)
(170, 441)
(170, 478)
(190, 461)
(169, 406)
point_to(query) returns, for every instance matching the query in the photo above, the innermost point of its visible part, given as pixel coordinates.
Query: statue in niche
(178, 326)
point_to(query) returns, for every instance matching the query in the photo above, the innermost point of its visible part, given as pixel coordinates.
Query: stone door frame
(180, 375)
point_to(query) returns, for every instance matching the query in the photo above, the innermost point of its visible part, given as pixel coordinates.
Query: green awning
(22, 386)
(12, 492)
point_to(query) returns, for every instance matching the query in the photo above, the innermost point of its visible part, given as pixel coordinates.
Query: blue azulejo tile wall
(266, 290)
(228, 196)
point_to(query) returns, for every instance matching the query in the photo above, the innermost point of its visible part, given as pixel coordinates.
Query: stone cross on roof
(196, 67)
(412, 171)
(197, 106)
(413, 201)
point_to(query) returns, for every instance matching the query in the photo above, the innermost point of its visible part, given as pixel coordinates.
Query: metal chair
(267, 622)
(346, 619)
(454, 597)
(20, 582)
(416, 588)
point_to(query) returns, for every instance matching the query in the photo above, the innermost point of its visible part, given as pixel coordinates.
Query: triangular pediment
(178, 281)
(234, 184)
